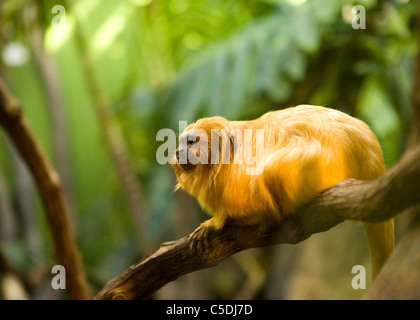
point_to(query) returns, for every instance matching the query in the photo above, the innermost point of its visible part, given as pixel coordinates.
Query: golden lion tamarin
(299, 152)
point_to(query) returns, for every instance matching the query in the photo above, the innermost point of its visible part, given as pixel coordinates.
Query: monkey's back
(341, 137)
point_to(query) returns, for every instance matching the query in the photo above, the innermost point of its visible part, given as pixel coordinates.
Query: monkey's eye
(191, 140)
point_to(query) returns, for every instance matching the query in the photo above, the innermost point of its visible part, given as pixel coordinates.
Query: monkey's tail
(380, 237)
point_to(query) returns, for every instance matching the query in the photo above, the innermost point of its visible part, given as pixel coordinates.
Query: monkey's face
(191, 150)
(191, 160)
(200, 153)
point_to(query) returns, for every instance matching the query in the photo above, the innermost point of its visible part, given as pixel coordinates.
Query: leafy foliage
(160, 62)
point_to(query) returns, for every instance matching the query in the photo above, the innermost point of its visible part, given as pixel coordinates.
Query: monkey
(303, 150)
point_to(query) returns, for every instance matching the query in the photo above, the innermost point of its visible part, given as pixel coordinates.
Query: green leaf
(374, 107)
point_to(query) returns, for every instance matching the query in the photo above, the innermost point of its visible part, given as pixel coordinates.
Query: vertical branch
(114, 140)
(49, 187)
(7, 217)
(49, 77)
(25, 199)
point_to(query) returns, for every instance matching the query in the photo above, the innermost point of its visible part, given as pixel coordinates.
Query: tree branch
(349, 199)
(50, 189)
(113, 139)
(381, 199)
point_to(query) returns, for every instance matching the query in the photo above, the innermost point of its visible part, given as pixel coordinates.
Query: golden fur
(307, 149)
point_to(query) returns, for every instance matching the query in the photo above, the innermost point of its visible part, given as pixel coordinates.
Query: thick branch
(350, 199)
(50, 189)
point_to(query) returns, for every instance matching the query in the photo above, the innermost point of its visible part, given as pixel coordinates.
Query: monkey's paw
(199, 239)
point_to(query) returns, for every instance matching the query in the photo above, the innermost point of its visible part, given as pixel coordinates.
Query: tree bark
(7, 217)
(51, 192)
(48, 74)
(349, 199)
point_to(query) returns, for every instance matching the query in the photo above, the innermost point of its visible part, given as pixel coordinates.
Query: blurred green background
(97, 89)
